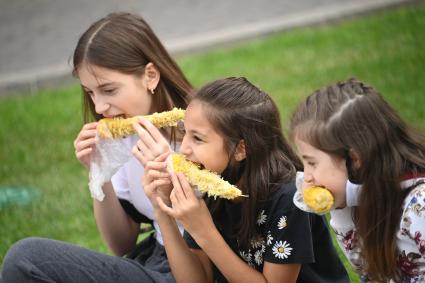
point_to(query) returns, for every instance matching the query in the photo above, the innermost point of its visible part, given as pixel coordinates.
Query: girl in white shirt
(124, 71)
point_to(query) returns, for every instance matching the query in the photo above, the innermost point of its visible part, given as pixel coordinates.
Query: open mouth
(200, 165)
(120, 116)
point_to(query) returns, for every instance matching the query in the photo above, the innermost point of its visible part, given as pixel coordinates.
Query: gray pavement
(37, 37)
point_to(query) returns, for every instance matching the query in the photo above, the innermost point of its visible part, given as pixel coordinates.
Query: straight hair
(125, 43)
(238, 110)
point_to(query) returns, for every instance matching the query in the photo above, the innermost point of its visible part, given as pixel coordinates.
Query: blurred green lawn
(385, 49)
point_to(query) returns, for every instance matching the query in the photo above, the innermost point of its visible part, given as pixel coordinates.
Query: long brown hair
(351, 116)
(125, 42)
(238, 110)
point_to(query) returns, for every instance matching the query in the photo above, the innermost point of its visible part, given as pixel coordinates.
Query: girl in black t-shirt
(233, 128)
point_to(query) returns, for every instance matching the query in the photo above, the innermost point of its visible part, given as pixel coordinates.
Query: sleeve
(122, 190)
(191, 243)
(412, 236)
(342, 223)
(289, 237)
(120, 184)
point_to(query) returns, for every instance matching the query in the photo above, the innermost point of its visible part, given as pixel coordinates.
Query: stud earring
(152, 90)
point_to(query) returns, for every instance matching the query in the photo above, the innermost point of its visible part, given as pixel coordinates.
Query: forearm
(117, 229)
(185, 265)
(229, 264)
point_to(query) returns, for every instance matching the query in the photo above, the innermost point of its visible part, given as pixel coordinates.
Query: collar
(410, 180)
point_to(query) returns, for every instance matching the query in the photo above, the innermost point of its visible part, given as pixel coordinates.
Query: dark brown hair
(238, 110)
(351, 116)
(124, 42)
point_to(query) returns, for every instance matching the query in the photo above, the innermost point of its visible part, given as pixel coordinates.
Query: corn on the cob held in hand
(206, 181)
(113, 128)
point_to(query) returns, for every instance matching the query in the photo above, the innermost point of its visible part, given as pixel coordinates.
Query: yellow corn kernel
(319, 199)
(113, 128)
(206, 181)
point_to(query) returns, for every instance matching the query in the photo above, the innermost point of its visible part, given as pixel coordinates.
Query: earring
(152, 90)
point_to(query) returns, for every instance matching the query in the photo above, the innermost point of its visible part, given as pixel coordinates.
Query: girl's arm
(117, 229)
(186, 265)
(196, 219)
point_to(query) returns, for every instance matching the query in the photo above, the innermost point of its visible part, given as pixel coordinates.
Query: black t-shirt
(287, 235)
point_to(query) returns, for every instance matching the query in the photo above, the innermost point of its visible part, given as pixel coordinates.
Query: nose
(308, 177)
(100, 104)
(185, 146)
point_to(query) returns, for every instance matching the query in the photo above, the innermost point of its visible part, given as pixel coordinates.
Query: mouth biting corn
(206, 181)
(112, 128)
(319, 199)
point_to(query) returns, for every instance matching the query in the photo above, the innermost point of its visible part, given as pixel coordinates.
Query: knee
(25, 250)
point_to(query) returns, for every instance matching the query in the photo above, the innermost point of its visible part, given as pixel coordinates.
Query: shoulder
(415, 200)
(281, 199)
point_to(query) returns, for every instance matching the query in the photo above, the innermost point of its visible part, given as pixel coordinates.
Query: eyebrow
(307, 157)
(101, 85)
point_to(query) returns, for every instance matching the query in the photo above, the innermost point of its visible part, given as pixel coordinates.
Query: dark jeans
(45, 260)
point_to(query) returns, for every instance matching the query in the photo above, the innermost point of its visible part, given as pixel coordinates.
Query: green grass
(385, 49)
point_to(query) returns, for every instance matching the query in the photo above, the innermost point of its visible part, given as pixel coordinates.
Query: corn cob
(319, 199)
(206, 181)
(113, 128)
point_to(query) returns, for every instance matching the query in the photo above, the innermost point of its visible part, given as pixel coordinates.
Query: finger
(178, 191)
(83, 135)
(186, 187)
(147, 153)
(161, 182)
(85, 144)
(82, 153)
(153, 131)
(139, 156)
(165, 207)
(144, 135)
(90, 126)
(156, 165)
(155, 174)
(163, 157)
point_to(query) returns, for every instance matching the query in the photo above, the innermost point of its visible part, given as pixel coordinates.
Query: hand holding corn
(206, 181)
(319, 199)
(112, 128)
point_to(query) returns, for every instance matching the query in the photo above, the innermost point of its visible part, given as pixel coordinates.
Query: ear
(152, 76)
(240, 153)
(355, 159)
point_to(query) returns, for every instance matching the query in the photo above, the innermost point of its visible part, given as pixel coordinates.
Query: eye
(197, 139)
(109, 91)
(312, 164)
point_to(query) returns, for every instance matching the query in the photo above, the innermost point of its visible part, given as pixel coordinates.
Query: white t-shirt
(127, 183)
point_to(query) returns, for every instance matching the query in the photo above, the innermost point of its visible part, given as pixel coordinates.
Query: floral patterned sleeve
(288, 236)
(343, 226)
(411, 237)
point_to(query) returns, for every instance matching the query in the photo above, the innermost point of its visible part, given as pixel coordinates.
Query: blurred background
(288, 48)
(37, 37)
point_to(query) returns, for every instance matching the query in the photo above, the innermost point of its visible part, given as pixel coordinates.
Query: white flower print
(246, 256)
(258, 257)
(281, 250)
(269, 238)
(262, 218)
(282, 223)
(257, 242)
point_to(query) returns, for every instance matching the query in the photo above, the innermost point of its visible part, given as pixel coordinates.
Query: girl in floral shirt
(233, 128)
(347, 131)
